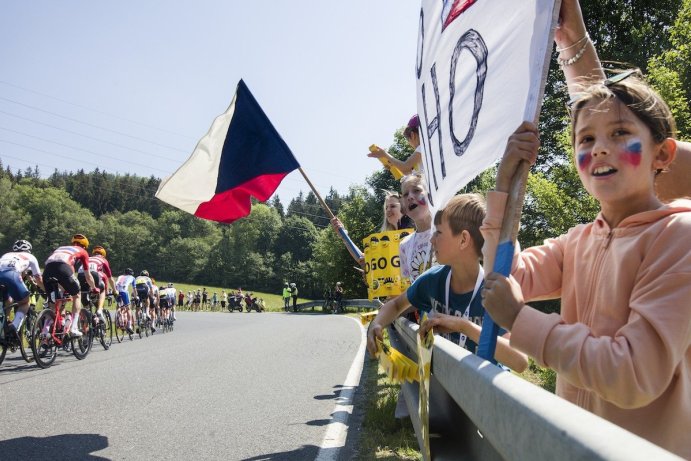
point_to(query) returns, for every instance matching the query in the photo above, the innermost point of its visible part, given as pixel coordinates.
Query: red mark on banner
(458, 7)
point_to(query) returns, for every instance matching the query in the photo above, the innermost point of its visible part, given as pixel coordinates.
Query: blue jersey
(428, 293)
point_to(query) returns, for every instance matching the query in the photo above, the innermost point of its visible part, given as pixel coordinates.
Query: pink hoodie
(621, 346)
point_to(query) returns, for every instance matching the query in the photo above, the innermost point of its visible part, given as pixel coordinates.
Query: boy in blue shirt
(450, 292)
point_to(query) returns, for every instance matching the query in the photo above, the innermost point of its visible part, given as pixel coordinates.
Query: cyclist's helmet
(81, 240)
(22, 245)
(170, 285)
(292, 285)
(338, 283)
(144, 273)
(129, 271)
(99, 250)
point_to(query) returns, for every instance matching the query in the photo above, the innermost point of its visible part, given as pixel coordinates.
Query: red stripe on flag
(233, 204)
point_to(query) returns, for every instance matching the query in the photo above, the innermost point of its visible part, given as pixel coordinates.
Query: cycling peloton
(13, 266)
(123, 288)
(102, 275)
(62, 265)
(145, 293)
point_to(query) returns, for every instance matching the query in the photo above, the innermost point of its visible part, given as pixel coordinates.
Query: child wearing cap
(412, 164)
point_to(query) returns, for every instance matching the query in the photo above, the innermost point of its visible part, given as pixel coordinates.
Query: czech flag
(242, 155)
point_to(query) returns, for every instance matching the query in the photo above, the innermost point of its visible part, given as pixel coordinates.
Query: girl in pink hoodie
(621, 344)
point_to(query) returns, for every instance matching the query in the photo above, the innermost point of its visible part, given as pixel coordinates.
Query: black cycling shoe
(11, 332)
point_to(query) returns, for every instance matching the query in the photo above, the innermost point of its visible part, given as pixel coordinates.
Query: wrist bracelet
(585, 37)
(572, 60)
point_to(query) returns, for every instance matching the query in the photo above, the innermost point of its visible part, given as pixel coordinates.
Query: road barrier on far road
(359, 303)
(481, 412)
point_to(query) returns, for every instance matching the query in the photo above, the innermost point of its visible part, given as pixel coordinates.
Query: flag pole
(352, 248)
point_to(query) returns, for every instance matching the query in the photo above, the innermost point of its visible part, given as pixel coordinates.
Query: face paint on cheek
(632, 152)
(584, 159)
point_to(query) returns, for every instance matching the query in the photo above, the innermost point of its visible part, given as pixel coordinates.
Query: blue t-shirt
(428, 292)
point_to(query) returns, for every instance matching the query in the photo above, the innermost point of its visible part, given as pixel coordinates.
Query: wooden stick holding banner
(350, 246)
(511, 221)
(504, 256)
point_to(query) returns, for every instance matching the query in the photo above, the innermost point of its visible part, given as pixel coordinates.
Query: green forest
(295, 243)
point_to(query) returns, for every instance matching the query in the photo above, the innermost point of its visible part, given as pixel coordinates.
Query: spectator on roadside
(294, 295)
(286, 297)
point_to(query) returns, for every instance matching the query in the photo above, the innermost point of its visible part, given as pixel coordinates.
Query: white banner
(481, 66)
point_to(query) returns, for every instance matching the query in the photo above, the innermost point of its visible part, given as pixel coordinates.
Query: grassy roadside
(383, 437)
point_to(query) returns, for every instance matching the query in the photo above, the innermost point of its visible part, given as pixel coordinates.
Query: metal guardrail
(365, 303)
(480, 412)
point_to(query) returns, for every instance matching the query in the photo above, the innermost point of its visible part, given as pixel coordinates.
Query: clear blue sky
(131, 86)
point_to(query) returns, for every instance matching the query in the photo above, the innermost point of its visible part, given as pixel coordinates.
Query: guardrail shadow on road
(65, 446)
(305, 452)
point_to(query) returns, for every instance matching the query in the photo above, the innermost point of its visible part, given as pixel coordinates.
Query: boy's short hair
(466, 212)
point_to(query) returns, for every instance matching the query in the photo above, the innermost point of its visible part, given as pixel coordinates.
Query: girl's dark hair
(646, 104)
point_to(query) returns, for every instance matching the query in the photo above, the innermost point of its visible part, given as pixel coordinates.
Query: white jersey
(124, 283)
(415, 250)
(19, 261)
(169, 293)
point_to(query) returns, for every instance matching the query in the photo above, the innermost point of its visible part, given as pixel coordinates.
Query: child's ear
(466, 239)
(665, 154)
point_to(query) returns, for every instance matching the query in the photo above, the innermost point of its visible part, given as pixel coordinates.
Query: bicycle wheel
(119, 326)
(3, 350)
(82, 345)
(106, 328)
(25, 336)
(140, 325)
(42, 344)
(147, 326)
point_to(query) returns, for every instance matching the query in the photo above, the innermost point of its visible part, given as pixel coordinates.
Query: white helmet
(22, 245)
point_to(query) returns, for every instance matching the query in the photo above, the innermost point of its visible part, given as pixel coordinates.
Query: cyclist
(123, 287)
(62, 265)
(167, 300)
(103, 278)
(13, 266)
(155, 303)
(145, 292)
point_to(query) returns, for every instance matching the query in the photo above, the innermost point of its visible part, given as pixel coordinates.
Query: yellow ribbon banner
(382, 264)
(397, 366)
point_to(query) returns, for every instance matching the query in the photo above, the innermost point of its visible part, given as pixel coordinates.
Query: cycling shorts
(124, 298)
(166, 303)
(64, 274)
(14, 283)
(98, 281)
(143, 291)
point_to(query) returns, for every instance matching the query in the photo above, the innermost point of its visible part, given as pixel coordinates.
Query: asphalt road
(221, 386)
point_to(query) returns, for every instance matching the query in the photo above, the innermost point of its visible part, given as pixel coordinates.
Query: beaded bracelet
(585, 37)
(572, 60)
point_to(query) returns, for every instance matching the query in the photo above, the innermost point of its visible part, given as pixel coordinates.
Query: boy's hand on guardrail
(374, 332)
(441, 323)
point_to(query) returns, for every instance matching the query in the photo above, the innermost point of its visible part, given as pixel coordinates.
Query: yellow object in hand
(397, 174)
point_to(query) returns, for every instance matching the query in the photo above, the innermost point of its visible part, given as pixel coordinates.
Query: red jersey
(73, 255)
(98, 263)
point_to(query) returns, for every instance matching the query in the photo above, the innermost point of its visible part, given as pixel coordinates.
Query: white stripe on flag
(195, 181)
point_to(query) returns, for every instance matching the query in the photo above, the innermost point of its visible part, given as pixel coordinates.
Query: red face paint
(584, 159)
(632, 153)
